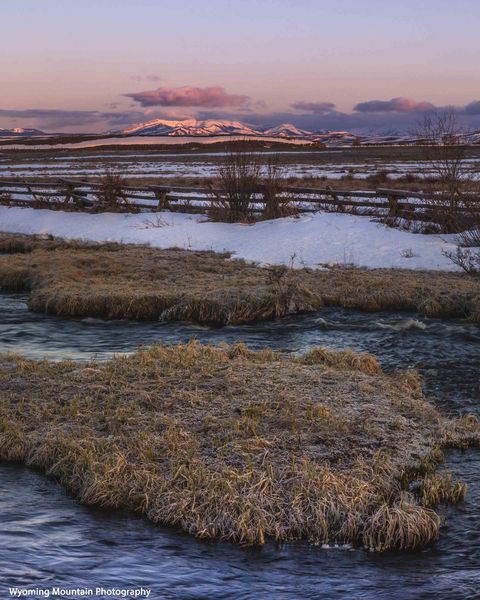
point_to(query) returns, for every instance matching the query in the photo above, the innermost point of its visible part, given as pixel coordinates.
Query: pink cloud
(208, 97)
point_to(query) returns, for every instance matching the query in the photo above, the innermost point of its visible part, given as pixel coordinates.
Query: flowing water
(47, 538)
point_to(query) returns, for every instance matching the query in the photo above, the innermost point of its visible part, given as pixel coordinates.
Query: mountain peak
(287, 130)
(190, 127)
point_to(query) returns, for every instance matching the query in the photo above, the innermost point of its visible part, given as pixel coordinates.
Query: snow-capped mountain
(287, 130)
(211, 127)
(20, 132)
(334, 138)
(190, 127)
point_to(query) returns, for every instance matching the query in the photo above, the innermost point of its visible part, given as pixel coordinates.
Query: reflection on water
(47, 538)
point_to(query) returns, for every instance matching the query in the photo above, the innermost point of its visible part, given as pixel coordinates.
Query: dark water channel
(47, 538)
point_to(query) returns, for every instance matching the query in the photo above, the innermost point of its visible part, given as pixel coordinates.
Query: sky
(96, 65)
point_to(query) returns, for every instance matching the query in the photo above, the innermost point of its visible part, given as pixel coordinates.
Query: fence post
(392, 206)
(336, 201)
(161, 196)
(69, 192)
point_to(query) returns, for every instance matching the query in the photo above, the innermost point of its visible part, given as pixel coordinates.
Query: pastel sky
(90, 65)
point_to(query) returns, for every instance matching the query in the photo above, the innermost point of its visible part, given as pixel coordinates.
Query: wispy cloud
(207, 97)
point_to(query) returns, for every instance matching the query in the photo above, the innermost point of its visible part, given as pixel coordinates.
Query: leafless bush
(470, 238)
(444, 152)
(245, 189)
(235, 188)
(278, 202)
(467, 254)
(467, 259)
(111, 196)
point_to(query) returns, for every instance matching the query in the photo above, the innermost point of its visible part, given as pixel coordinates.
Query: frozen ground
(150, 141)
(311, 240)
(204, 164)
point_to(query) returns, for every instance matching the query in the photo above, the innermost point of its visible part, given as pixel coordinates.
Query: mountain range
(212, 127)
(220, 127)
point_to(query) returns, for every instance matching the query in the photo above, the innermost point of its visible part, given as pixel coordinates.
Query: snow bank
(311, 240)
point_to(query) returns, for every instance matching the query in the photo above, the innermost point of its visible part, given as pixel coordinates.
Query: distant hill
(287, 130)
(20, 132)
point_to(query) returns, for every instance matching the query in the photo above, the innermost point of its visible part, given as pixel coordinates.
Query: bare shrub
(111, 195)
(467, 254)
(445, 154)
(470, 238)
(246, 189)
(234, 189)
(277, 201)
(468, 260)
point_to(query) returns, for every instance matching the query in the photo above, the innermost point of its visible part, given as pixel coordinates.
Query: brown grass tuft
(404, 526)
(343, 359)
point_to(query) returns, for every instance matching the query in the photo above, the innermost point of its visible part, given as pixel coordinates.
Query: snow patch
(312, 240)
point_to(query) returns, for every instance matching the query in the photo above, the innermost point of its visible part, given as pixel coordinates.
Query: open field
(138, 282)
(227, 443)
(161, 164)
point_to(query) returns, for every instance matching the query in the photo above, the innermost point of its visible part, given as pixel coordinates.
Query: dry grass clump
(121, 281)
(343, 359)
(18, 243)
(437, 488)
(13, 243)
(403, 526)
(233, 444)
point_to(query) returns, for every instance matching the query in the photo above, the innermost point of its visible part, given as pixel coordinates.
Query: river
(47, 538)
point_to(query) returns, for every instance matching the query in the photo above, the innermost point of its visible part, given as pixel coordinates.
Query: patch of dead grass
(228, 443)
(138, 282)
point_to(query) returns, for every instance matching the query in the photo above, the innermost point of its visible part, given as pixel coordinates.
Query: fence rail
(73, 194)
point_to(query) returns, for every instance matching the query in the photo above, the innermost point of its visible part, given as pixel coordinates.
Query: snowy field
(315, 240)
(204, 164)
(149, 141)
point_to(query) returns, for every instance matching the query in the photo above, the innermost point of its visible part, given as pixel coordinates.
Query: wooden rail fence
(68, 194)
